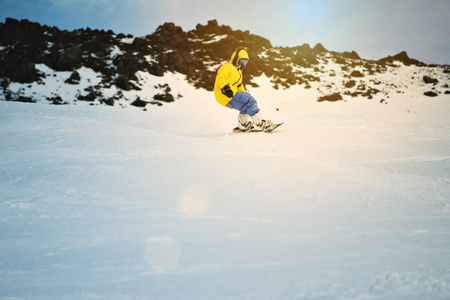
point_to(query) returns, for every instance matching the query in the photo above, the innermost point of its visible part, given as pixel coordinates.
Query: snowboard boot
(245, 122)
(261, 124)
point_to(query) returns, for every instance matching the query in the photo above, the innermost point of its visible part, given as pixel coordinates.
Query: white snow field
(347, 200)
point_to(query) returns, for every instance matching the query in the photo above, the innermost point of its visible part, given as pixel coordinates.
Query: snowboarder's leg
(245, 103)
(250, 116)
(245, 122)
(260, 123)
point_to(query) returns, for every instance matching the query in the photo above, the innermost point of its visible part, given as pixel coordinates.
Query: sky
(372, 28)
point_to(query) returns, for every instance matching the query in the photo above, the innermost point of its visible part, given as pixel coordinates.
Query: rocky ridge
(30, 53)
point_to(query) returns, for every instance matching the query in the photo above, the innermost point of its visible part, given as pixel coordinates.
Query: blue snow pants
(244, 103)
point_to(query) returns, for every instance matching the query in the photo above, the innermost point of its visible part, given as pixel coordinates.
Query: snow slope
(348, 200)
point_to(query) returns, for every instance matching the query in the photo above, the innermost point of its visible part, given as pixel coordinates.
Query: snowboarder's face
(243, 63)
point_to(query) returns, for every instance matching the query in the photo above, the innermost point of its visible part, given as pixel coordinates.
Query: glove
(226, 90)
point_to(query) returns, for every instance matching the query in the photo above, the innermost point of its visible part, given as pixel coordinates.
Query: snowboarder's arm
(222, 79)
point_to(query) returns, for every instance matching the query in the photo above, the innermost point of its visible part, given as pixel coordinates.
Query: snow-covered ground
(347, 200)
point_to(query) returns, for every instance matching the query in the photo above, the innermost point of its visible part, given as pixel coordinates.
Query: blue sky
(373, 28)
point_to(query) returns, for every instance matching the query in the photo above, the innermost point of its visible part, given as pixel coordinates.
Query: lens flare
(163, 254)
(193, 202)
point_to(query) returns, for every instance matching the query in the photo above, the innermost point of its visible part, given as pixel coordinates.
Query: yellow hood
(237, 55)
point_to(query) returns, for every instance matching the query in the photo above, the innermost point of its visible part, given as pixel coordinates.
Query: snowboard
(275, 126)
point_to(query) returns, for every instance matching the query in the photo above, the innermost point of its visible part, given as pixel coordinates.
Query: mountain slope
(123, 70)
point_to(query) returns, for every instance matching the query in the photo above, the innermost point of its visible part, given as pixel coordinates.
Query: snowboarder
(230, 92)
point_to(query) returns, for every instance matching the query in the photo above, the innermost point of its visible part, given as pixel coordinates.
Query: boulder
(167, 97)
(57, 100)
(89, 97)
(429, 80)
(350, 84)
(122, 82)
(74, 78)
(332, 98)
(356, 74)
(109, 101)
(139, 103)
(25, 99)
(430, 94)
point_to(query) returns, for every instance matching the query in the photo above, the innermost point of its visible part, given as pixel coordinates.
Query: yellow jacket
(230, 74)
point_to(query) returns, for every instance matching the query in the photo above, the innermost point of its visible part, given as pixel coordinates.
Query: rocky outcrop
(401, 57)
(198, 53)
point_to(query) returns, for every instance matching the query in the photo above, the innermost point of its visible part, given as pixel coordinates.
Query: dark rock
(340, 60)
(11, 21)
(97, 47)
(350, 84)
(10, 32)
(89, 97)
(109, 101)
(169, 35)
(18, 68)
(353, 94)
(140, 44)
(156, 103)
(306, 53)
(164, 97)
(8, 96)
(4, 83)
(430, 94)
(156, 70)
(122, 83)
(74, 78)
(370, 92)
(127, 64)
(139, 103)
(332, 98)
(429, 80)
(25, 99)
(57, 100)
(70, 59)
(356, 74)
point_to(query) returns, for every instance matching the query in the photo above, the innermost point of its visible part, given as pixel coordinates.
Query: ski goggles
(243, 62)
